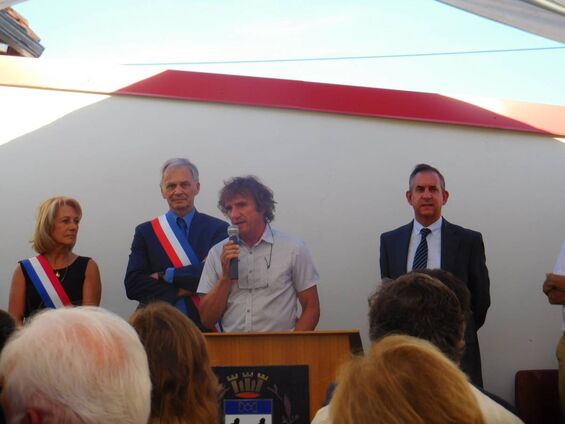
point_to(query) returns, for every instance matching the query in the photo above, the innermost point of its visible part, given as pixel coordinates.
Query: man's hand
(229, 251)
(554, 288)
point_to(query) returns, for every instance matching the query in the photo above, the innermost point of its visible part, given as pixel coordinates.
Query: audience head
(7, 327)
(44, 239)
(456, 285)
(250, 187)
(420, 306)
(185, 390)
(403, 380)
(75, 365)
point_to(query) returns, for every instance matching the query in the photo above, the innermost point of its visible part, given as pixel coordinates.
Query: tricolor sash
(178, 249)
(46, 282)
(173, 241)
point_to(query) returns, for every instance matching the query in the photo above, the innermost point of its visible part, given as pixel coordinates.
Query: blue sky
(179, 31)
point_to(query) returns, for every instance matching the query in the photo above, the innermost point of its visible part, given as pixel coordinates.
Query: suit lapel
(401, 253)
(195, 231)
(449, 246)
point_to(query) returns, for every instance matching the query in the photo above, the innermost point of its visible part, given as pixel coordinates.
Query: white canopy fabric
(7, 3)
(541, 17)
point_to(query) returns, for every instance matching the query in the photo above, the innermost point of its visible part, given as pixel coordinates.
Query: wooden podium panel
(322, 351)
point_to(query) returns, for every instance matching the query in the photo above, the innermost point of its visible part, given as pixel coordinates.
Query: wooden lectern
(322, 351)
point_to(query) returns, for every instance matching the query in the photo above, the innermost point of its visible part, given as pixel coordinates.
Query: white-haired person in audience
(75, 365)
(403, 379)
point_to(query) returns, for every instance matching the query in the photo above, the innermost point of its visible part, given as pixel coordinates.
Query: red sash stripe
(54, 280)
(165, 243)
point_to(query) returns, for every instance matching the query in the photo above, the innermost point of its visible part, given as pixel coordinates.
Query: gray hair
(77, 365)
(174, 162)
(424, 167)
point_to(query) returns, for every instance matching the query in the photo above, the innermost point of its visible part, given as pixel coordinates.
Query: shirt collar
(187, 218)
(267, 235)
(436, 226)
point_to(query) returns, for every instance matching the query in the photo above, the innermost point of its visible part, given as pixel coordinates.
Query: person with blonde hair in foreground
(81, 365)
(403, 379)
(185, 390)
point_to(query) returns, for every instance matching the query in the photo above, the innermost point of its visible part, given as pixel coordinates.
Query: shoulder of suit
(211, 219)
(460, 229)
(143, 226)
(400, 229)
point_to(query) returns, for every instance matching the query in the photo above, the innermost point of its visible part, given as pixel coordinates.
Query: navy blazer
(462, 254)
(148, 256)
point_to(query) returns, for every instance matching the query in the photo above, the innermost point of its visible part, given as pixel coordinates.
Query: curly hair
(421, 306)
(249, 186)
(185, 389)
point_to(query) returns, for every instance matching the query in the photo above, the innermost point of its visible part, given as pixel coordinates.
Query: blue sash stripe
(181, 237)
(37, 283)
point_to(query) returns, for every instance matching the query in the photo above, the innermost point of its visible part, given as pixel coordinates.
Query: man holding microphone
(275, 269)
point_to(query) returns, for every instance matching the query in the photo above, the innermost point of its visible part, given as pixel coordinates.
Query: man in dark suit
(429, 241)
(167, 253)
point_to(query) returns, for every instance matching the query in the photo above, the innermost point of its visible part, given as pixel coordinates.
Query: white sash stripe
(46, 282)
(174, 241)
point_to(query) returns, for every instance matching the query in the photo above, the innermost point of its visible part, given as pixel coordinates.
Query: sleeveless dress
(71, 278)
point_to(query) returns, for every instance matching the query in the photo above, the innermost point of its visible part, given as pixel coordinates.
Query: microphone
(233, 234)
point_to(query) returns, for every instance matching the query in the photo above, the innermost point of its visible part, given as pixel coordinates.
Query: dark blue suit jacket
(147, 256)
(462, 254)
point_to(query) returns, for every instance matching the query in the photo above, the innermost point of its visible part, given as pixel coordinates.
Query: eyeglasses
(271, 251)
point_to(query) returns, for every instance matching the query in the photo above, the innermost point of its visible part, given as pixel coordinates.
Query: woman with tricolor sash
(56, 277)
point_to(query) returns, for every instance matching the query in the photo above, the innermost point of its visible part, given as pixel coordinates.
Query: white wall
(339, 182)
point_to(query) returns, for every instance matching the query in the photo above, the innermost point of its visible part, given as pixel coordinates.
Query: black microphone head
(233, 231)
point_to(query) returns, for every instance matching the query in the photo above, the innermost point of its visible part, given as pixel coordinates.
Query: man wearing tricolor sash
(168, 252)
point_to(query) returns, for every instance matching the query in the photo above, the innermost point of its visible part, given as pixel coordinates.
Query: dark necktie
(181, 303)
(421, 256)
(182, 224)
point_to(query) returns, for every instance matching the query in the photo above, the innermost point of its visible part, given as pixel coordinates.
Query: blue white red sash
(178, 249)
(173, 241)
(46, 282)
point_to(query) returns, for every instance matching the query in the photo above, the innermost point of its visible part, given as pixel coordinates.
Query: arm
(554, 288)
(139, 283)
(310, 310)
(383, 259)
(92, 288)
(479, 283)
(17, 303)
(187, 278)
(214, 303)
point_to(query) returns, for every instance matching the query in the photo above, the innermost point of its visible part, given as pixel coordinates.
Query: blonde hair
(185, 390)
(403, 379)
(42, 240)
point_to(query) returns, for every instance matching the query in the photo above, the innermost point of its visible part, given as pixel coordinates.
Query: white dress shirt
(434, 244)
